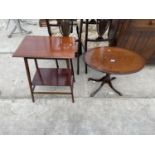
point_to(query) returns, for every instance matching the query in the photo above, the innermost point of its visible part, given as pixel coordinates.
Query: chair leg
(86, 37)
(86, 69)
(78, 64)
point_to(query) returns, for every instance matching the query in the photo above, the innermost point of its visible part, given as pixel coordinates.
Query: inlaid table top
(114, 60)
(47, 47)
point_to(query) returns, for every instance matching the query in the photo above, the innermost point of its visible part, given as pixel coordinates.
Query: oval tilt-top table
(112, 60)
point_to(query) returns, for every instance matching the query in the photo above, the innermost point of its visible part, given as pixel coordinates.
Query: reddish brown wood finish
(46, 47)
(52, 77)
(42, 47)
(114, 60)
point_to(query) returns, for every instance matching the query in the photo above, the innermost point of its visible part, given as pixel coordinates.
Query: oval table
(112, 60)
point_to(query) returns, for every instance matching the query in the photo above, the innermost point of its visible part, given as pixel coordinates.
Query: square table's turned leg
(72, 69)
(36, 64)
(29, 77)
(57, 64)
(72, 92)
(70, 66)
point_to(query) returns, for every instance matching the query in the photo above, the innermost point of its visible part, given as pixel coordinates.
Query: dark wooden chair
(102, 26)
(72, 24)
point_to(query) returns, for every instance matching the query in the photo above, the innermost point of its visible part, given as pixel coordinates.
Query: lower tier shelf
(52, 77)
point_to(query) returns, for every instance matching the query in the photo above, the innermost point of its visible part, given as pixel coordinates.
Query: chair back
(65, 26)
(102, 26)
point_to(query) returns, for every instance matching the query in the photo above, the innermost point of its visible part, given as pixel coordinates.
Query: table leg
(17, 26)
(72, 68)
(68, 63)
(105, 79)
(13, 30)
(96, 80)
(29, 78)
(72, 92)
(36, 64)
(57, 64)
(21, 29)
(38, 71)
(27, 22)
(94, 93)
(111, 86)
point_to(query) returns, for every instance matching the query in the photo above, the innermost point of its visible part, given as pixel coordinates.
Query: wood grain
(114, 60)
(47, 47)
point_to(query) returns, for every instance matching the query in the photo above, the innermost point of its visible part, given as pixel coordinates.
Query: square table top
(46, 47)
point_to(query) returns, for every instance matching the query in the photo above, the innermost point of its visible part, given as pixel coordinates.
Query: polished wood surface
(52, 77)
(47, 47)
(113, 60)
(144, 24)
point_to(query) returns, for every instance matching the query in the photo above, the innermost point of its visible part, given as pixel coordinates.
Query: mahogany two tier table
(45, 47)
(112, 60)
